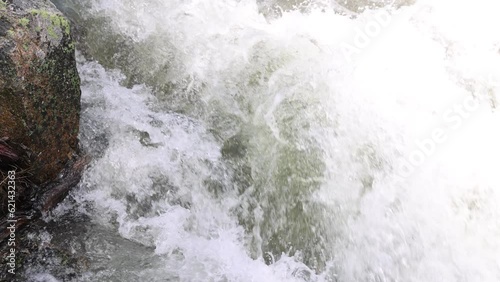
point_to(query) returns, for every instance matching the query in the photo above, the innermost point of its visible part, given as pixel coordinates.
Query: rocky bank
(39, 110)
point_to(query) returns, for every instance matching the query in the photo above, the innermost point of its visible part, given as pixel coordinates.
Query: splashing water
(323, 142)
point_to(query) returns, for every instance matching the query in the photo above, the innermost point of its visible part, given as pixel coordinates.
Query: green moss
(3, 5)
(24, 22)
(75, 80)
(42, 13)
(51, 32)
(56, 21)
(61, 22)
(70, 48)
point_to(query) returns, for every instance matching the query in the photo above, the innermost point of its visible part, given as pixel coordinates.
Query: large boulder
(39, 88)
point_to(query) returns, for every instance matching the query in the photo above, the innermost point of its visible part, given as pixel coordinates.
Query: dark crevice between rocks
(32, 202)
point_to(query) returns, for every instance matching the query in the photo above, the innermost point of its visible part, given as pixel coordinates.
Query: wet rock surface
(39, 121)
(39, 86)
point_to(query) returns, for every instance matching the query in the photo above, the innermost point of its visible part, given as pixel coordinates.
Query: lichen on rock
(39, 115)
(39, 84)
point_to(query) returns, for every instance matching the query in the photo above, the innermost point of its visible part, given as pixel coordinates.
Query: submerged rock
(39, 86)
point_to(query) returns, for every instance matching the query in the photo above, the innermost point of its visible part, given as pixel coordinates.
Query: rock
(39, 111)
(56, 191)
(7, 154)
(39, 86)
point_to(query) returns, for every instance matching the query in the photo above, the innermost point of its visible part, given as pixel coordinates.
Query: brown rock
(39, 86)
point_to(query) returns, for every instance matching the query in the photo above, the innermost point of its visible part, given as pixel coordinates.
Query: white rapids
(309, 143)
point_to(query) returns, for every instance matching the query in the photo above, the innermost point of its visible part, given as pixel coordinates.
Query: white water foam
(391, 210)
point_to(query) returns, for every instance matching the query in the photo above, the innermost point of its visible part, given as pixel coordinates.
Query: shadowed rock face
(39, 86)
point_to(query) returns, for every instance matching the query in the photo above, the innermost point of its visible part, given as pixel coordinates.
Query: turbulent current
(243, 140)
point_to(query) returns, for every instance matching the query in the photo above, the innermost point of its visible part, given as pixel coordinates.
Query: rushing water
(289, 141)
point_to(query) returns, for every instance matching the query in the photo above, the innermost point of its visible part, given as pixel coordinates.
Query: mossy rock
(39, 85)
